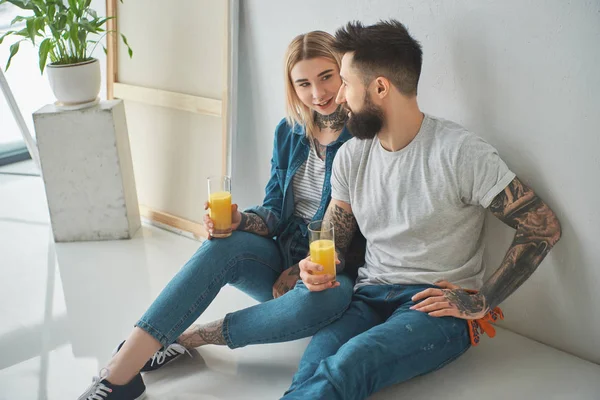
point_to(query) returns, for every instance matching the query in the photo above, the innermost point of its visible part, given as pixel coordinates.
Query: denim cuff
(225, 332)
(149, 329)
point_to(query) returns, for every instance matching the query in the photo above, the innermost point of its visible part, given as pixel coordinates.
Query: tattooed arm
(250, 222)
(538, 230)
(344, 227)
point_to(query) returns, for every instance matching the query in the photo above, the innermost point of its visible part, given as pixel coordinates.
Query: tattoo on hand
(538, 230)
(466, 303)
(251, 222)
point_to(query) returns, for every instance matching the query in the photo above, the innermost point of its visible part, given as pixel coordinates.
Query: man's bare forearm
(344, 225)
(252, 223)
(538, 230)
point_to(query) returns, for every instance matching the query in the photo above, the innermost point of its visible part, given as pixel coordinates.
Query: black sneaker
(102, 389)
(161, 357)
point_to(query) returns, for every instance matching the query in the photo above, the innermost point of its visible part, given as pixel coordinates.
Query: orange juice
(220, 213)
(322, 252)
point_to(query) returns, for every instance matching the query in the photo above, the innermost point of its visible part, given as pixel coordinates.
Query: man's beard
(366, 123)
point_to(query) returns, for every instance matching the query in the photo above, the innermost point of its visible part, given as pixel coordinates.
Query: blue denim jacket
(290, 150)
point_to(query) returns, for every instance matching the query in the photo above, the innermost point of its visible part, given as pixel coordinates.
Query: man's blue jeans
(252, 264)
(378, 342)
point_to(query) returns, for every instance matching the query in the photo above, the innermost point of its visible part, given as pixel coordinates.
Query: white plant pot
(75, 84)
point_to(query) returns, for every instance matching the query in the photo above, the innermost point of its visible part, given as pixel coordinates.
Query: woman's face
(317, 82)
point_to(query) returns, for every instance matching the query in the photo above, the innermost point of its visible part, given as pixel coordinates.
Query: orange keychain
(478, 327)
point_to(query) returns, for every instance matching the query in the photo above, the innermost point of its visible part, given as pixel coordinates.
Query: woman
(261, 256)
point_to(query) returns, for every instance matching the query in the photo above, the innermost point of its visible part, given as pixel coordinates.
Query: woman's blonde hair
(305, 47)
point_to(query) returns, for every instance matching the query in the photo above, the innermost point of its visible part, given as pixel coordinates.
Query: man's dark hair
(384, 49)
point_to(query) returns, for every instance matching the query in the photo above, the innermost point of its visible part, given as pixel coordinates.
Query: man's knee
(331, 301)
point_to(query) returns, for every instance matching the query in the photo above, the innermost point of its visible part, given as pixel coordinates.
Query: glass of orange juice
(322, 245)
(219, 202)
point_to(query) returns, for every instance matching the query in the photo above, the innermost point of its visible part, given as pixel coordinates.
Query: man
(417, 187)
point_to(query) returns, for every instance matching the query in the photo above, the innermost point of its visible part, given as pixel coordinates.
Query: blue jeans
(378, 342)
(252, 264)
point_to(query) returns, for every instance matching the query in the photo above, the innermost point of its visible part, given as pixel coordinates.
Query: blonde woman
(262, 256)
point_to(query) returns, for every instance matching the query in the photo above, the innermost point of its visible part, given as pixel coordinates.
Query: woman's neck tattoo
(335, 120)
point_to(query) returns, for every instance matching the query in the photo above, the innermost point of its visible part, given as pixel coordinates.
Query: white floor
(64, 307)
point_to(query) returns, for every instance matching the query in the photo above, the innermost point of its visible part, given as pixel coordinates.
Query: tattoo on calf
(538, 230)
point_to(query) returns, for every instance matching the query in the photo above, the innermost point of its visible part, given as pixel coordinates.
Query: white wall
(521, 74)
(177, 49)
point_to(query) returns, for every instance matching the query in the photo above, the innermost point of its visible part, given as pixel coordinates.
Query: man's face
(365, 117)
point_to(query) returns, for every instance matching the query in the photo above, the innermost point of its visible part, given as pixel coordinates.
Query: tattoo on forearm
(334, 121)
(200, 335)
(345, 226)
(538, 230)
(253, 223)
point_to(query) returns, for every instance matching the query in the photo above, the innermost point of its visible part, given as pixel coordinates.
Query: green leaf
(73, 35)
(40, 24)
(82, 35)
(93, 13)
(41, 5)
(73, 6)
(127, 44)
(14, 49)
(31, 30)
(5, 35)
(51, 11)
(23, 32)
(23, 4)
(61, 23)
(101, 21)
(18, 18)
(88, 26)
(105, 51)
(45, 47)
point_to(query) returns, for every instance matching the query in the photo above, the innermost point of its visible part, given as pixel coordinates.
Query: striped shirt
(308, 186)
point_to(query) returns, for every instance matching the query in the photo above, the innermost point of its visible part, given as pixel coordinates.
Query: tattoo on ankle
(200, 335)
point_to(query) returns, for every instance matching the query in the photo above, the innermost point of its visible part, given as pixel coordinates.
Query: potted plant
(67, 34)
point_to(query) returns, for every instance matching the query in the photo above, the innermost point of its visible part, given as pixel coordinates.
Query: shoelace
(161, 355)
(97, 390)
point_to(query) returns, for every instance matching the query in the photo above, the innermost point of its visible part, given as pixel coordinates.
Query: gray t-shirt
(422, 208)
